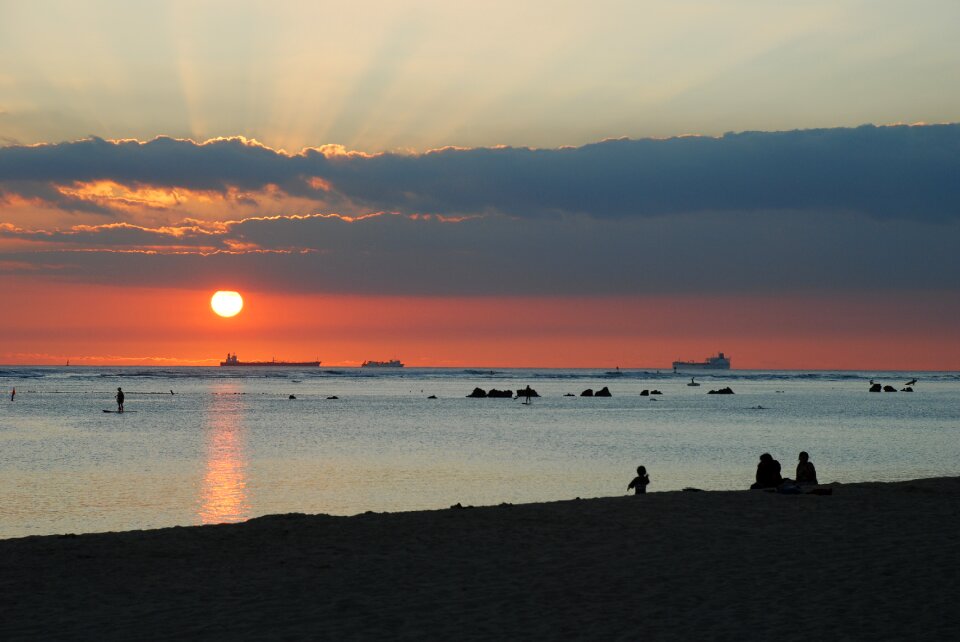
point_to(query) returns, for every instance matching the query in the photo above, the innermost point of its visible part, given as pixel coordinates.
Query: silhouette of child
(806, 473)
(639, 483)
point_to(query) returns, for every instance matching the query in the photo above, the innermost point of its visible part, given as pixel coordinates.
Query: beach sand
(874, 561)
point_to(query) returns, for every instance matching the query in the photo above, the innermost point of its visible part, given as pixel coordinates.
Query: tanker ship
(720, 362)
(233, 361)
(393, 363)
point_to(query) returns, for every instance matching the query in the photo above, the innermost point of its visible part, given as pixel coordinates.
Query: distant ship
(233, 361)
(720, 362)
(394, 363)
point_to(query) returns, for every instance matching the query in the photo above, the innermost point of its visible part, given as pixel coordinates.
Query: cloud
(836, 210)
(902, 171)
(714, 253)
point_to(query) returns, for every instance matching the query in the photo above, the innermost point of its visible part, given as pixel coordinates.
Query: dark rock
(603, 392)
(587, 393)
(500, 394)
(889, 389)
(722, 391)
(655, 392)
(907, 389)
(478, 393)
(527, 392)
(569, 394)
(292, 397)
(432, 397)
(644, 393)
(876, 387)
(333, 397)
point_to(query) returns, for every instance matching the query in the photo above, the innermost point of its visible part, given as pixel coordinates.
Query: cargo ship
(393, 363)
(233, 361)
(720, 362)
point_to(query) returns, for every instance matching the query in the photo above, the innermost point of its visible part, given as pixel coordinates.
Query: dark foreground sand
(872, 561)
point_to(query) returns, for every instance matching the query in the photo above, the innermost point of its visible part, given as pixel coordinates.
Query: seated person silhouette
(768, 472)
(806, 473)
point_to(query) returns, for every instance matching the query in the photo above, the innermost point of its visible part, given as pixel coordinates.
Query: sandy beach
(871, 561)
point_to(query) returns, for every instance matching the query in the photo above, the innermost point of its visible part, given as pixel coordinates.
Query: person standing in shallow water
(639, 483)
(119, 399)
(806, 473)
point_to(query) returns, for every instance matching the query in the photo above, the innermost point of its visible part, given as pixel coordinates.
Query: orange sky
(48, 323)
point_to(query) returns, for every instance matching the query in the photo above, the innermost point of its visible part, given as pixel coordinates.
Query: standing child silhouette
(639, 483)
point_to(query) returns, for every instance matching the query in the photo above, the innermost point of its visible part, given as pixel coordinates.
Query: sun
(226, 304)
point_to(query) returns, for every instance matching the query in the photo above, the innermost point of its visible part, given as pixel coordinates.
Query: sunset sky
(493, 184)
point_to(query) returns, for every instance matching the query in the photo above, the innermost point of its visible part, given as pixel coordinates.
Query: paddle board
(118, 412)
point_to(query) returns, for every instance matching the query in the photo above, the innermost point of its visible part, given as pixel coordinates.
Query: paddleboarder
(119, 399)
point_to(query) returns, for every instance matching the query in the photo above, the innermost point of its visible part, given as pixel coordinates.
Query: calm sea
(230, 444)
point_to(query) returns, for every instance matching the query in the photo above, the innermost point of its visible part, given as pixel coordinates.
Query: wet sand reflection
(223, 495)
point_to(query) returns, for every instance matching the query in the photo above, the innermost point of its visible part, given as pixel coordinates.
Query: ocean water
(229, 444)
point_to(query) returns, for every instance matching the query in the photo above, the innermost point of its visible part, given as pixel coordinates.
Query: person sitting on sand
(119, 400)
(639, 483)
(806, 473)
(768, 472)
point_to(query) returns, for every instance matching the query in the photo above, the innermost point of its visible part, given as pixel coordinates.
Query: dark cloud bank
(871, 208)
(909, 171)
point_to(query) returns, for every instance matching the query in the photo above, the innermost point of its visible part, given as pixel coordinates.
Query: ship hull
(698, 367)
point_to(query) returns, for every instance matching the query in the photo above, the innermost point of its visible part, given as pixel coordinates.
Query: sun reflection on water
(223, 495)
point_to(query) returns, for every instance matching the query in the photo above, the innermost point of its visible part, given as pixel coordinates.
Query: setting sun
(226, 304)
